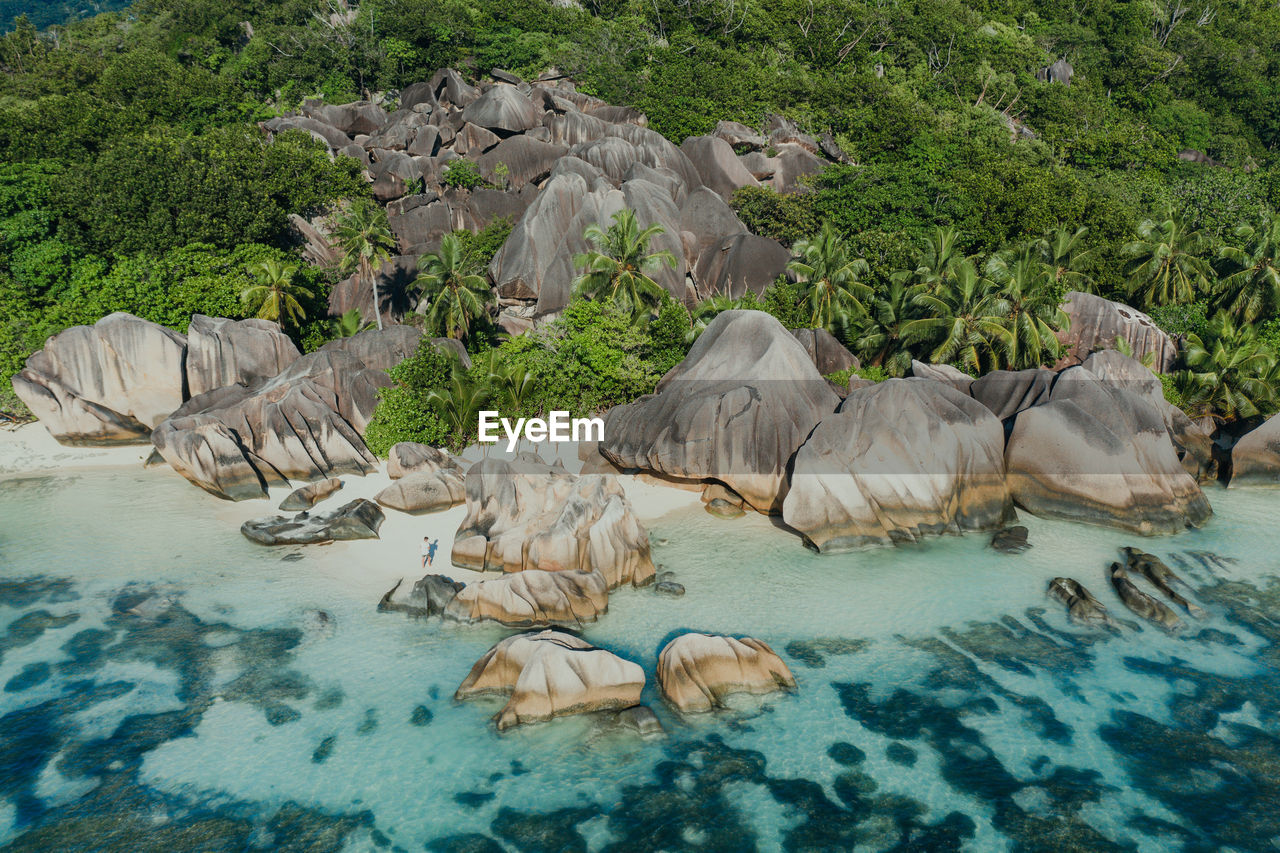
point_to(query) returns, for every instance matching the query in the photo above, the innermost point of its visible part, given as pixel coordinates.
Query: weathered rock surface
(697, 671)
(429, 597)
(1008, 392)
(1255, 459)
(900, 460)
(526, 515)
(303, 424)
(409, 457)
(1100, 454)
(827, 353)
(954, 377)
(504, 110)
(223, 352)
(1097, 322)
(381, 349)
(717, 165)
(534, 598)
(109, 383)
(739, 263)
(552, 674)
(309, 495)
(435, 483)
(734, 410)
(359, 519)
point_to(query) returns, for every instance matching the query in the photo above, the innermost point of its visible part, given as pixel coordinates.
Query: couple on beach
(428, 550)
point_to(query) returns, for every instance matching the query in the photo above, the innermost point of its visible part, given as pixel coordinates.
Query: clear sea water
(167, 685)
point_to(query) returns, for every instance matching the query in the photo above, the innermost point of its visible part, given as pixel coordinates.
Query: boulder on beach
(697, 671)
(304, 424)
(1100, 454)
(410, 457)
(428, 488)
(1095, 323)
(534, 598)
(899, 460)
(309, 495)
(109, 383)
(527, 515)
(1255, 459)
(734, 410)
(359, 519)
(223, 352)
(429, 596)
(552, 674)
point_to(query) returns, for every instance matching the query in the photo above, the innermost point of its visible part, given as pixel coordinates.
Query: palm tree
(877, 337)
(704, 312)
(275, 296)
(936, 265)
(1063, 252)
(459, 403)
(965, 321)
(1253, 289)
(350, 324)
(619, 268)
(1234, 371)
(831, 275)
(1032, 307)
(1167, 265)
(365, 241)
(457, 293)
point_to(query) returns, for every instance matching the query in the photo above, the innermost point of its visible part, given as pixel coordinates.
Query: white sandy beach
(367, 567)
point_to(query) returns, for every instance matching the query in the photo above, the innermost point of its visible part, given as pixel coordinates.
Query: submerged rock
(1141, 603)
(899, 460)
(696, 671)
(1011, 540)
(551, 674)
(359, 519)
(1082, 607)
(527, 515)
(533, 598)
(310, 495)
(734, 410)
(109, 383)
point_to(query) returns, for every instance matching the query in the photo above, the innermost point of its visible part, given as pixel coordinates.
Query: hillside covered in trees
(990, 158)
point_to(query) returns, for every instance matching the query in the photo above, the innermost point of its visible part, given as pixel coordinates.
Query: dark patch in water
(421, 716)
(24, 592)
(846, 754)
(473, 799)
(329, 699)
(471, 843)
(31, 675)
(814, 652)
(553, 832)
(324, 750)
(900, 753)
(369, 724)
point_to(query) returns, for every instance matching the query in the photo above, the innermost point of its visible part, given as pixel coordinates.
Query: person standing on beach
(428, 551)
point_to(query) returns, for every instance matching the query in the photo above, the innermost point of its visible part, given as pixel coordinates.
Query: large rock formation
(303, 424)
(1101, 454)
(435, 482)
(109, 383)
(1255, 459)
(311, 494)
(697, 671)
(552, 674)
(527, 515)
(534, 598)
(1097, 322)
(826, 353)
(734, 410)
(900, 459)
(223, 352)
(359, 519)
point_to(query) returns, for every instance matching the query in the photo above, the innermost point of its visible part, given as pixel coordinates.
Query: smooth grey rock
(502, 109)
(717, 165)
(1097, 322)
(827, 353)
(740, 263)
(224, 352)
(1255, 458)
(309, 495)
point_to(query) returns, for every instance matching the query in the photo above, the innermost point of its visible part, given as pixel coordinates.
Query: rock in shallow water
(1011, 540)
(359, 519)
(551, 674)
(533, 598)
(696, 671)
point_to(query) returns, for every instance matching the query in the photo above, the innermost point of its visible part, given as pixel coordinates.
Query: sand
(368, 567)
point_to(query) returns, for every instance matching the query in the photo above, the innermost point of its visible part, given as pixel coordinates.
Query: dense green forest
(47, 13)
(134, 177)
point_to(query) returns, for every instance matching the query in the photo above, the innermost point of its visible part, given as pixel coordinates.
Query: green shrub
(404, 412)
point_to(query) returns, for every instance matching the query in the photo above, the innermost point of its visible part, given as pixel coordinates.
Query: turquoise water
(165, 684)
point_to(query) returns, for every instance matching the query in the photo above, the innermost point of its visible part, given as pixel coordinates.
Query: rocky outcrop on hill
(109, 383)
(525, 140)
(527, 515)
(223, 352)
(1101, 454)
(899, 460)
(697, 671)
(734, 410)
(304, 423)
(552, 674)
(1095, 323)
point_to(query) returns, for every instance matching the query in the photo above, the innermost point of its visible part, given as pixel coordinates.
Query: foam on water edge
(939, 650)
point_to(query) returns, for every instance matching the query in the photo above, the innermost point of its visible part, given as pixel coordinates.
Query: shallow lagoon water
(166, 683)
